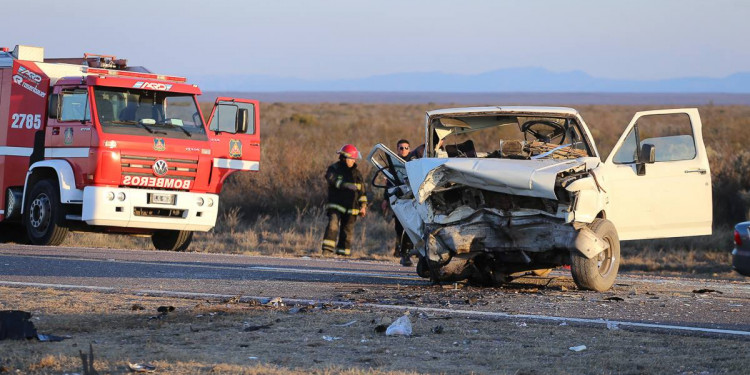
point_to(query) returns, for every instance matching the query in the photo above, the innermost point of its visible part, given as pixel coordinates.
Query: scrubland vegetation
(279, 209)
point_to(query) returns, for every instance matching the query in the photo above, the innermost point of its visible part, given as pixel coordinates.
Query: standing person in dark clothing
(403, 243)
(346, 201)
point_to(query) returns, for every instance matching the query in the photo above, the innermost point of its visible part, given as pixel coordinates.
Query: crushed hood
(535, 178)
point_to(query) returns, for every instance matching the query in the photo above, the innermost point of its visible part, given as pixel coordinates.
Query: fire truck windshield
(146, 112)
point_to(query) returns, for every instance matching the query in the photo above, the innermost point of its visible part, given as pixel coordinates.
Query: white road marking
(487, 314)
(329, 272)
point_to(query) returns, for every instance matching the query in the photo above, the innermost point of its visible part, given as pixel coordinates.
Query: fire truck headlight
(210, 202)
(120, 196)
(200, 201)
(111, 195)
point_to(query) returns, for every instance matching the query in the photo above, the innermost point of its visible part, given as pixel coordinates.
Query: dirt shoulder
(239, 337)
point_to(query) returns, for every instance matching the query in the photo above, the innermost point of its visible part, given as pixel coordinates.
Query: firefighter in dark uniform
(346, 201)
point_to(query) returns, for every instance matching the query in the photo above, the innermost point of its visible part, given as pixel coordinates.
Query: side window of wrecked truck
(670, 134)
(626, 154)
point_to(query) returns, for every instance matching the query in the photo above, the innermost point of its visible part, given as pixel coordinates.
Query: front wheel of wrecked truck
(423, 270)
(599, 272)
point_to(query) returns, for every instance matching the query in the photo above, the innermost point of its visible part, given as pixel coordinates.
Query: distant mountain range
(532, 79)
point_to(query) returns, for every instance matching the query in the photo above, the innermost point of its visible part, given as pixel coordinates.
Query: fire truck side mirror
(241, 124)
(54, 106)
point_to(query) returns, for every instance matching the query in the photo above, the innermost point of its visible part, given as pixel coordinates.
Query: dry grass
(211, 336)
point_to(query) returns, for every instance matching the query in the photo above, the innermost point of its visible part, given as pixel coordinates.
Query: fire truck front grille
(157, 212)
(142, 166)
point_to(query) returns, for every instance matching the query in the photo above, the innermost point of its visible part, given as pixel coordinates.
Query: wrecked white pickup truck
(505, 190)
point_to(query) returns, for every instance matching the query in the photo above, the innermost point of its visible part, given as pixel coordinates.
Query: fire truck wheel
(44, 215)
(172, 240)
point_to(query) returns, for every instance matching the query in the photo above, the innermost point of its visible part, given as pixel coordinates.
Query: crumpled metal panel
(535, 178)
(489, 231)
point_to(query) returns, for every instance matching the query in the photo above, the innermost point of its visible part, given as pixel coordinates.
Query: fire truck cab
(91, 144)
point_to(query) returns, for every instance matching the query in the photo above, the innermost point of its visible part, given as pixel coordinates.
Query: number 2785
(26, 120)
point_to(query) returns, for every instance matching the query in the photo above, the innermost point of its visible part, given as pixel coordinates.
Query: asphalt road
(642, 302)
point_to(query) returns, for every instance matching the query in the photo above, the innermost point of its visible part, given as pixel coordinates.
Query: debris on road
(51, 338)
(614, 299)
(250, 328)
(612, 326)
(275, 302)
(703, 291)
(401, 327)
(345, 324)
(137, 307)
(15, 325)
(438, 329)
(164, 310)
(578, 348)
(331, 338)
(141, 367)
(235, 299)
(296, 310)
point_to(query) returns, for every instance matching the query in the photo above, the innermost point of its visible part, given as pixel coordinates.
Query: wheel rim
(606, 259)
(40, 213)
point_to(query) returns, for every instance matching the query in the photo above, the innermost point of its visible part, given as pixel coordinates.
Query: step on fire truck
(91, 144)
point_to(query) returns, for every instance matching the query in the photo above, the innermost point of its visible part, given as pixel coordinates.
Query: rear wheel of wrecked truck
(599, 272)
(172, 240)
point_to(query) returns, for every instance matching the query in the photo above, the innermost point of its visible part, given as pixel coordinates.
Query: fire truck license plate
(161, 198)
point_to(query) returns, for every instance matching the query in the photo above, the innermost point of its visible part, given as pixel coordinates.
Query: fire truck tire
(172, 240)
(44, 215)
(599, 272)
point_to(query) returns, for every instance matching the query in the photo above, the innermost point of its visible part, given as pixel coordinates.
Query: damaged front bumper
(510, 242)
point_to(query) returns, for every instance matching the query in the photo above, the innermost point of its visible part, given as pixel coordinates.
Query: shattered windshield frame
(516, 136)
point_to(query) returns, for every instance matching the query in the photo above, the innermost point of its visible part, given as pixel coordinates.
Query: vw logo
(160, 168)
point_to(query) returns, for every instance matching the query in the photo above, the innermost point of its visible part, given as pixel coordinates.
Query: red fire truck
(91, 144)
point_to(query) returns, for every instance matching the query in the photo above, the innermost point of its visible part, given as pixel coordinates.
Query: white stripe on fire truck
(243, 165)
(15, 151)
(66, 152)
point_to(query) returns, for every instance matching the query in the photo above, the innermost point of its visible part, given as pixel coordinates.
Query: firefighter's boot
(344, 252)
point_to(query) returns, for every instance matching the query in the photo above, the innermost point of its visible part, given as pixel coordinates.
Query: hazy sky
(635, 39)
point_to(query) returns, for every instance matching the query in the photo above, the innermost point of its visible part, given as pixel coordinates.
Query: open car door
(399, 194)
(234, 132)
(389, 164)
(658, 179)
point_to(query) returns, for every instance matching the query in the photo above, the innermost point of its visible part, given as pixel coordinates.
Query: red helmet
(349, 152)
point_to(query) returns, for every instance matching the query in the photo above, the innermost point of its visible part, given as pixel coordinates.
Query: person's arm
(334, 180)
(362, 200)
